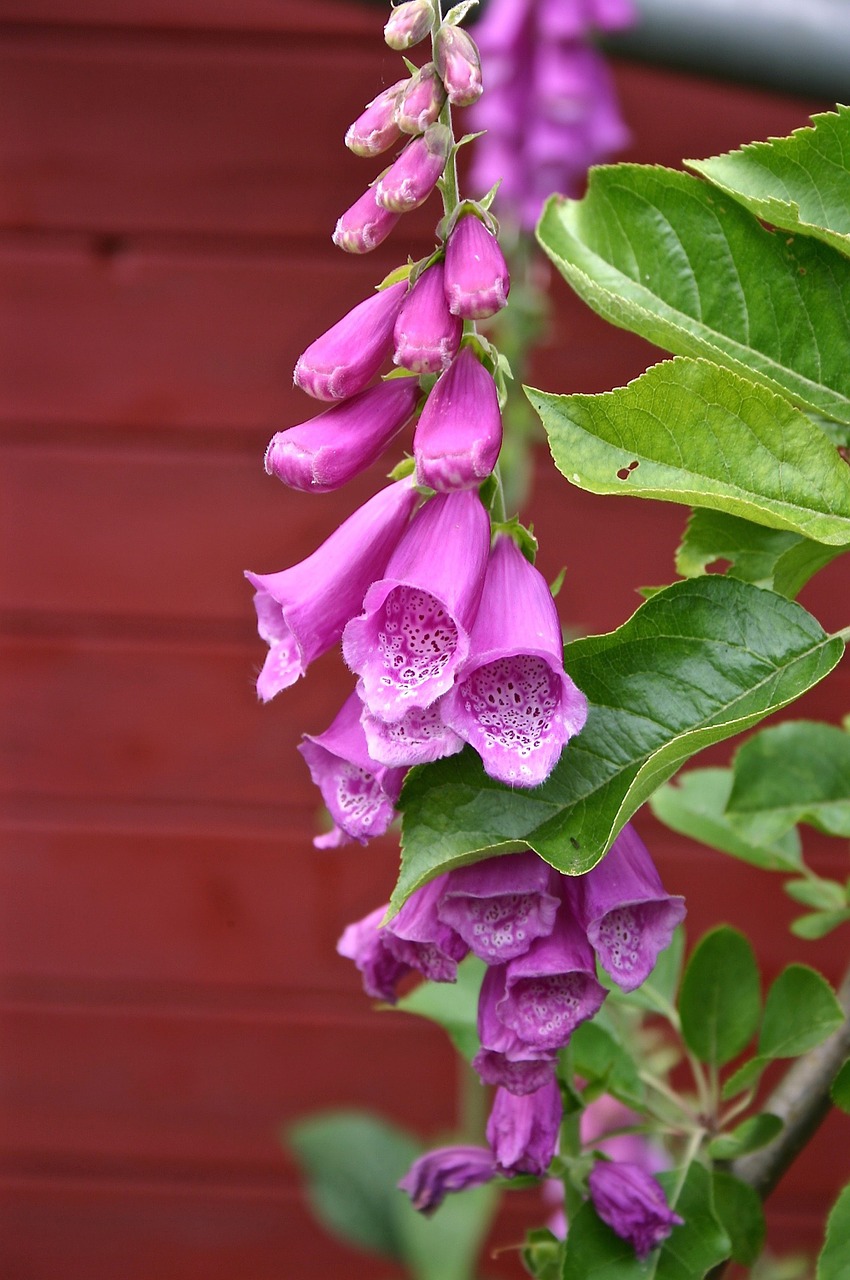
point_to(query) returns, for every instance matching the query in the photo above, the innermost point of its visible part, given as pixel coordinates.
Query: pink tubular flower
(500, 905)
(417, 738)
(426, 335)
(408, 24)
(411, 179)
(436, 1173)
(326, 452)
(523, 1131)
(417, 936)
(346, 358)
(364, 943)
(365, 225)
(375, 129)
(459, 433)
(302, 610)
(513, 701)
(477, 281)
(359, 793)
(633, 1205)
(420, 101)
(622, 905)
(459, 64)
(414, 630)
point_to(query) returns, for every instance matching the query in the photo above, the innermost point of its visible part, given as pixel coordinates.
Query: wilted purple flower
(523, 1131)
(459, 432)
(414, 630)
(500, 905)
(633, 1205)
(409, 23)
(417, 738)
(417, 936)
(412, 177)
(513, 701)
(420, 101)
(459, 64)
(625, 911)
(302, 610)
(426, 335)
(346, 358)
(375, 129)
(477, 281)
(365, 225)
(436, 1173)
(359, 793)
(364, 943)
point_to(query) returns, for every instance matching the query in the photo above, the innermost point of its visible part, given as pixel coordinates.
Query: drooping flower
(459, 64)
(301, 611)
(359, 793)
(419, 737)
(364, 943)
(412, 177)
(633, 1204)
(375, 129)
(364, 225)
(420, 101)
(513, 701)
(477, 281)
(426, 335)
(414, 630)
(418, 937)
(625, 911)
(345, 359)
(436, 1173)
(523, 1131)
(408, 24)
(500, 905)
(505, 1060)
(325, 453)
(459, 433)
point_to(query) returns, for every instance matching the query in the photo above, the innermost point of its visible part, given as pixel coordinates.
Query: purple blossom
(412, 177)
(414, 630)
(623, 907)
(345, 359)
(364, 943)
(408, 24)
(633, 1205)
(436, 1173)
(509, 1062)
(513, 701)
(477, 280)
(459, 432)
(301, 611)
(375, 129)
(459, 64)
(523, 1131)
(500, 905)
(418, 937)
(364, 225)
(419, 737)
(420, 101)
(359, 793)
(325, 453)
(426, 335)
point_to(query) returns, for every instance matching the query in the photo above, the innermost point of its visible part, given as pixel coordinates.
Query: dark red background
(172, 170)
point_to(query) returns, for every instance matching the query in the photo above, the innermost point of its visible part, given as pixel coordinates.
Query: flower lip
(500, 905)
(419, 737)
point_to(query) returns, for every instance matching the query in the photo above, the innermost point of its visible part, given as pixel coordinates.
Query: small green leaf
(832, 1263)
(720, 1000)
(694, 804)
(690, 431)
(601, 1060)
(825, 895)
(751, 1134)
(800, 1012)
(453, 1005)
(840, 1091)
(746, 1077)
(542, 1254)
(738, 1207)
(818, 924)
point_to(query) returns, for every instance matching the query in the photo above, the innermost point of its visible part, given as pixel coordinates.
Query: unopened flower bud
(459, 65)
(459, 433)
(409, 23)
(376, 128)
(426, 334)
(346, 358)
(411, 179)
(420, 101)
(477, 279)
(633, 1204)
(365, 225)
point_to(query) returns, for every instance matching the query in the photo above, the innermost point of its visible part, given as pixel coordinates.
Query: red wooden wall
(171, 173)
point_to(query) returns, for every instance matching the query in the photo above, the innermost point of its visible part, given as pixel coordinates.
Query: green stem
(690, 1154)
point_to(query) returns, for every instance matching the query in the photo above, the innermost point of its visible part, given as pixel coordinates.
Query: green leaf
(694, 804)
(826, 895)
(791, 773)
(454, 1005)
(818, 924)
(661, 253)
(833, 1262)
(770, 558)
(447, 1245)
(542, 1254)
(800, 1012)
(699, 661)
(738, 1207)
(751, 1134)
(601, 1060)
(690, 431)
(720, 1000)
(840, 1091)
(800, 183)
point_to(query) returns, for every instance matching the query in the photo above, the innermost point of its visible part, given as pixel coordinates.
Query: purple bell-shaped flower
(459, 64)
(499, 906)
(412, 177)
(375, 129)
(364, 225)
(364, 942)
(477, 280)
(436, 1173)
(419, 737)
(346, 358)
(417, 936)
(523, 1131)
(420, 101)
(633, 1204)
(459, 432)
(426, 334)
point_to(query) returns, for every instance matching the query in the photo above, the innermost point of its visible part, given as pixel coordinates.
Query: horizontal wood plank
(346, 18)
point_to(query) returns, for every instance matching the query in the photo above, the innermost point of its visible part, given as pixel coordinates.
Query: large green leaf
(720, 999)
(738, 1207)
(668, 256)
(800, 183)
(453, 1005)
(690, 431)
(790, 773)
(699, 661)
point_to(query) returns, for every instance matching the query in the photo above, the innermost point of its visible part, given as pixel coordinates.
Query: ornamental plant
(528, 917)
